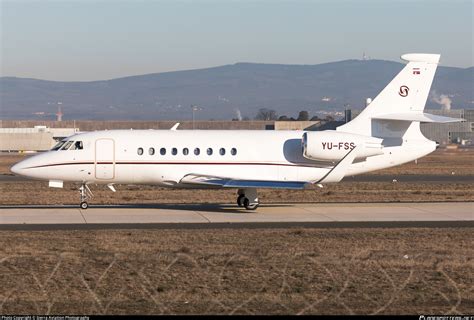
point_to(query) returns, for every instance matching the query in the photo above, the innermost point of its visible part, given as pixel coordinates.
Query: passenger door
(104, 159)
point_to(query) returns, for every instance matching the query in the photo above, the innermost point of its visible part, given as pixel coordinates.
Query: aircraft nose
(17, 168)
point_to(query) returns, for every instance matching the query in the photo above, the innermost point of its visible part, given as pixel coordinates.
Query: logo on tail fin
(403, 92)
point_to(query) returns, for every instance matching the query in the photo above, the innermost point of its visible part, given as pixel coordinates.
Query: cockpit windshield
(58, 145)
(68, 145)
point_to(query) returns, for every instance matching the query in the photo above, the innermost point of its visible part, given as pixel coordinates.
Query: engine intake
(334, 145)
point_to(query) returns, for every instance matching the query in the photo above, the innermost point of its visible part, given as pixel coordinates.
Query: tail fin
(405, 95)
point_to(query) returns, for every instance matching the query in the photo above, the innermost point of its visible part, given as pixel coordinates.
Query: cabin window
(151, 151)
(58, 145)
(197, 151)
(163, 151)
(140, 151)
(185, 151)
(77, 146)
(233, 151)
(222, 151)
(209, 151)
(174, 151)
(67, 145)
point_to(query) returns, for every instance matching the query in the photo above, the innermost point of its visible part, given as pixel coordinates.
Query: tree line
(271, 115)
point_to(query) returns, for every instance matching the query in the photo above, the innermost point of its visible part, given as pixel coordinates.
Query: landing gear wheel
(240, 200)
(86, 194)
(250, 206)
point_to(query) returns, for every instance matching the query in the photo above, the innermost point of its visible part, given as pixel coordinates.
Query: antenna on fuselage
(173, 128)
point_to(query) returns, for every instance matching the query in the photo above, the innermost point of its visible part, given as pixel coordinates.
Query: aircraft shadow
(207, 207)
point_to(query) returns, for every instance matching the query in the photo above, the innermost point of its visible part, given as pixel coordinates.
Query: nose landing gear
(86, 194)
(248, 198)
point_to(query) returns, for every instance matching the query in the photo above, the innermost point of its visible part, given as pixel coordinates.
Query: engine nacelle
(334, 145)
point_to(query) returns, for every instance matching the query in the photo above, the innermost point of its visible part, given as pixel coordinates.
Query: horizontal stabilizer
(416, 116)
(421, 57)
(210, 181)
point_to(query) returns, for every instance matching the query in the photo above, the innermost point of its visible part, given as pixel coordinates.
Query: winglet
(338, 172)
(173, 128)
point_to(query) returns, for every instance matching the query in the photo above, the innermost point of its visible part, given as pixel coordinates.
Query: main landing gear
(248, 198)
(86, 194)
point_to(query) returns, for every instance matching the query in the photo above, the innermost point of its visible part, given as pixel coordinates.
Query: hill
(220, 91)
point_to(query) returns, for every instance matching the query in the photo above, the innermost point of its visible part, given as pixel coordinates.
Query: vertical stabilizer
(406, 93)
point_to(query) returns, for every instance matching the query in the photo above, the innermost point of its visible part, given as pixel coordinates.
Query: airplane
(386, 134)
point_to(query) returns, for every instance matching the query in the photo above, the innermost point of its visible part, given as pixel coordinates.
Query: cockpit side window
(58, 145)
(77, 146)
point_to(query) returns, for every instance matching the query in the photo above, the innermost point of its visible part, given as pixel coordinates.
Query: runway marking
(203, 216)
(84, 218)
(322, 214)
(432, 212)
(447, 214)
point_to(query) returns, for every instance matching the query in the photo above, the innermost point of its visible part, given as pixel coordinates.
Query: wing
(334, 175)
(338, 172)
(205, 180)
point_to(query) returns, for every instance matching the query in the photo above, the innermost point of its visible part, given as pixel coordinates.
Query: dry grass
(440, 162)
(7, 160)
(274, 271)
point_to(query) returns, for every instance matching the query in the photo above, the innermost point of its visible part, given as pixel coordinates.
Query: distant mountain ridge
(220, 91)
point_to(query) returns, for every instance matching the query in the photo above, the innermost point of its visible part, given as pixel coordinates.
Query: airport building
(38, 138)
(32, 135)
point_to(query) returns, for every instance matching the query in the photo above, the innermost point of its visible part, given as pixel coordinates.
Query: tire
(250, 206)
(240, 200)
(84, 205)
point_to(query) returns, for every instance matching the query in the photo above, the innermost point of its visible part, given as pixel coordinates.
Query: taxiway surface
(456, 214)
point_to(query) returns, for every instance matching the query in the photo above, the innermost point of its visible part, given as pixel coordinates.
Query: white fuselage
(113, 156)
(386, 134)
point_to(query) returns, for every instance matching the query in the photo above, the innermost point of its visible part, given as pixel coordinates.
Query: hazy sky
(92, 40)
